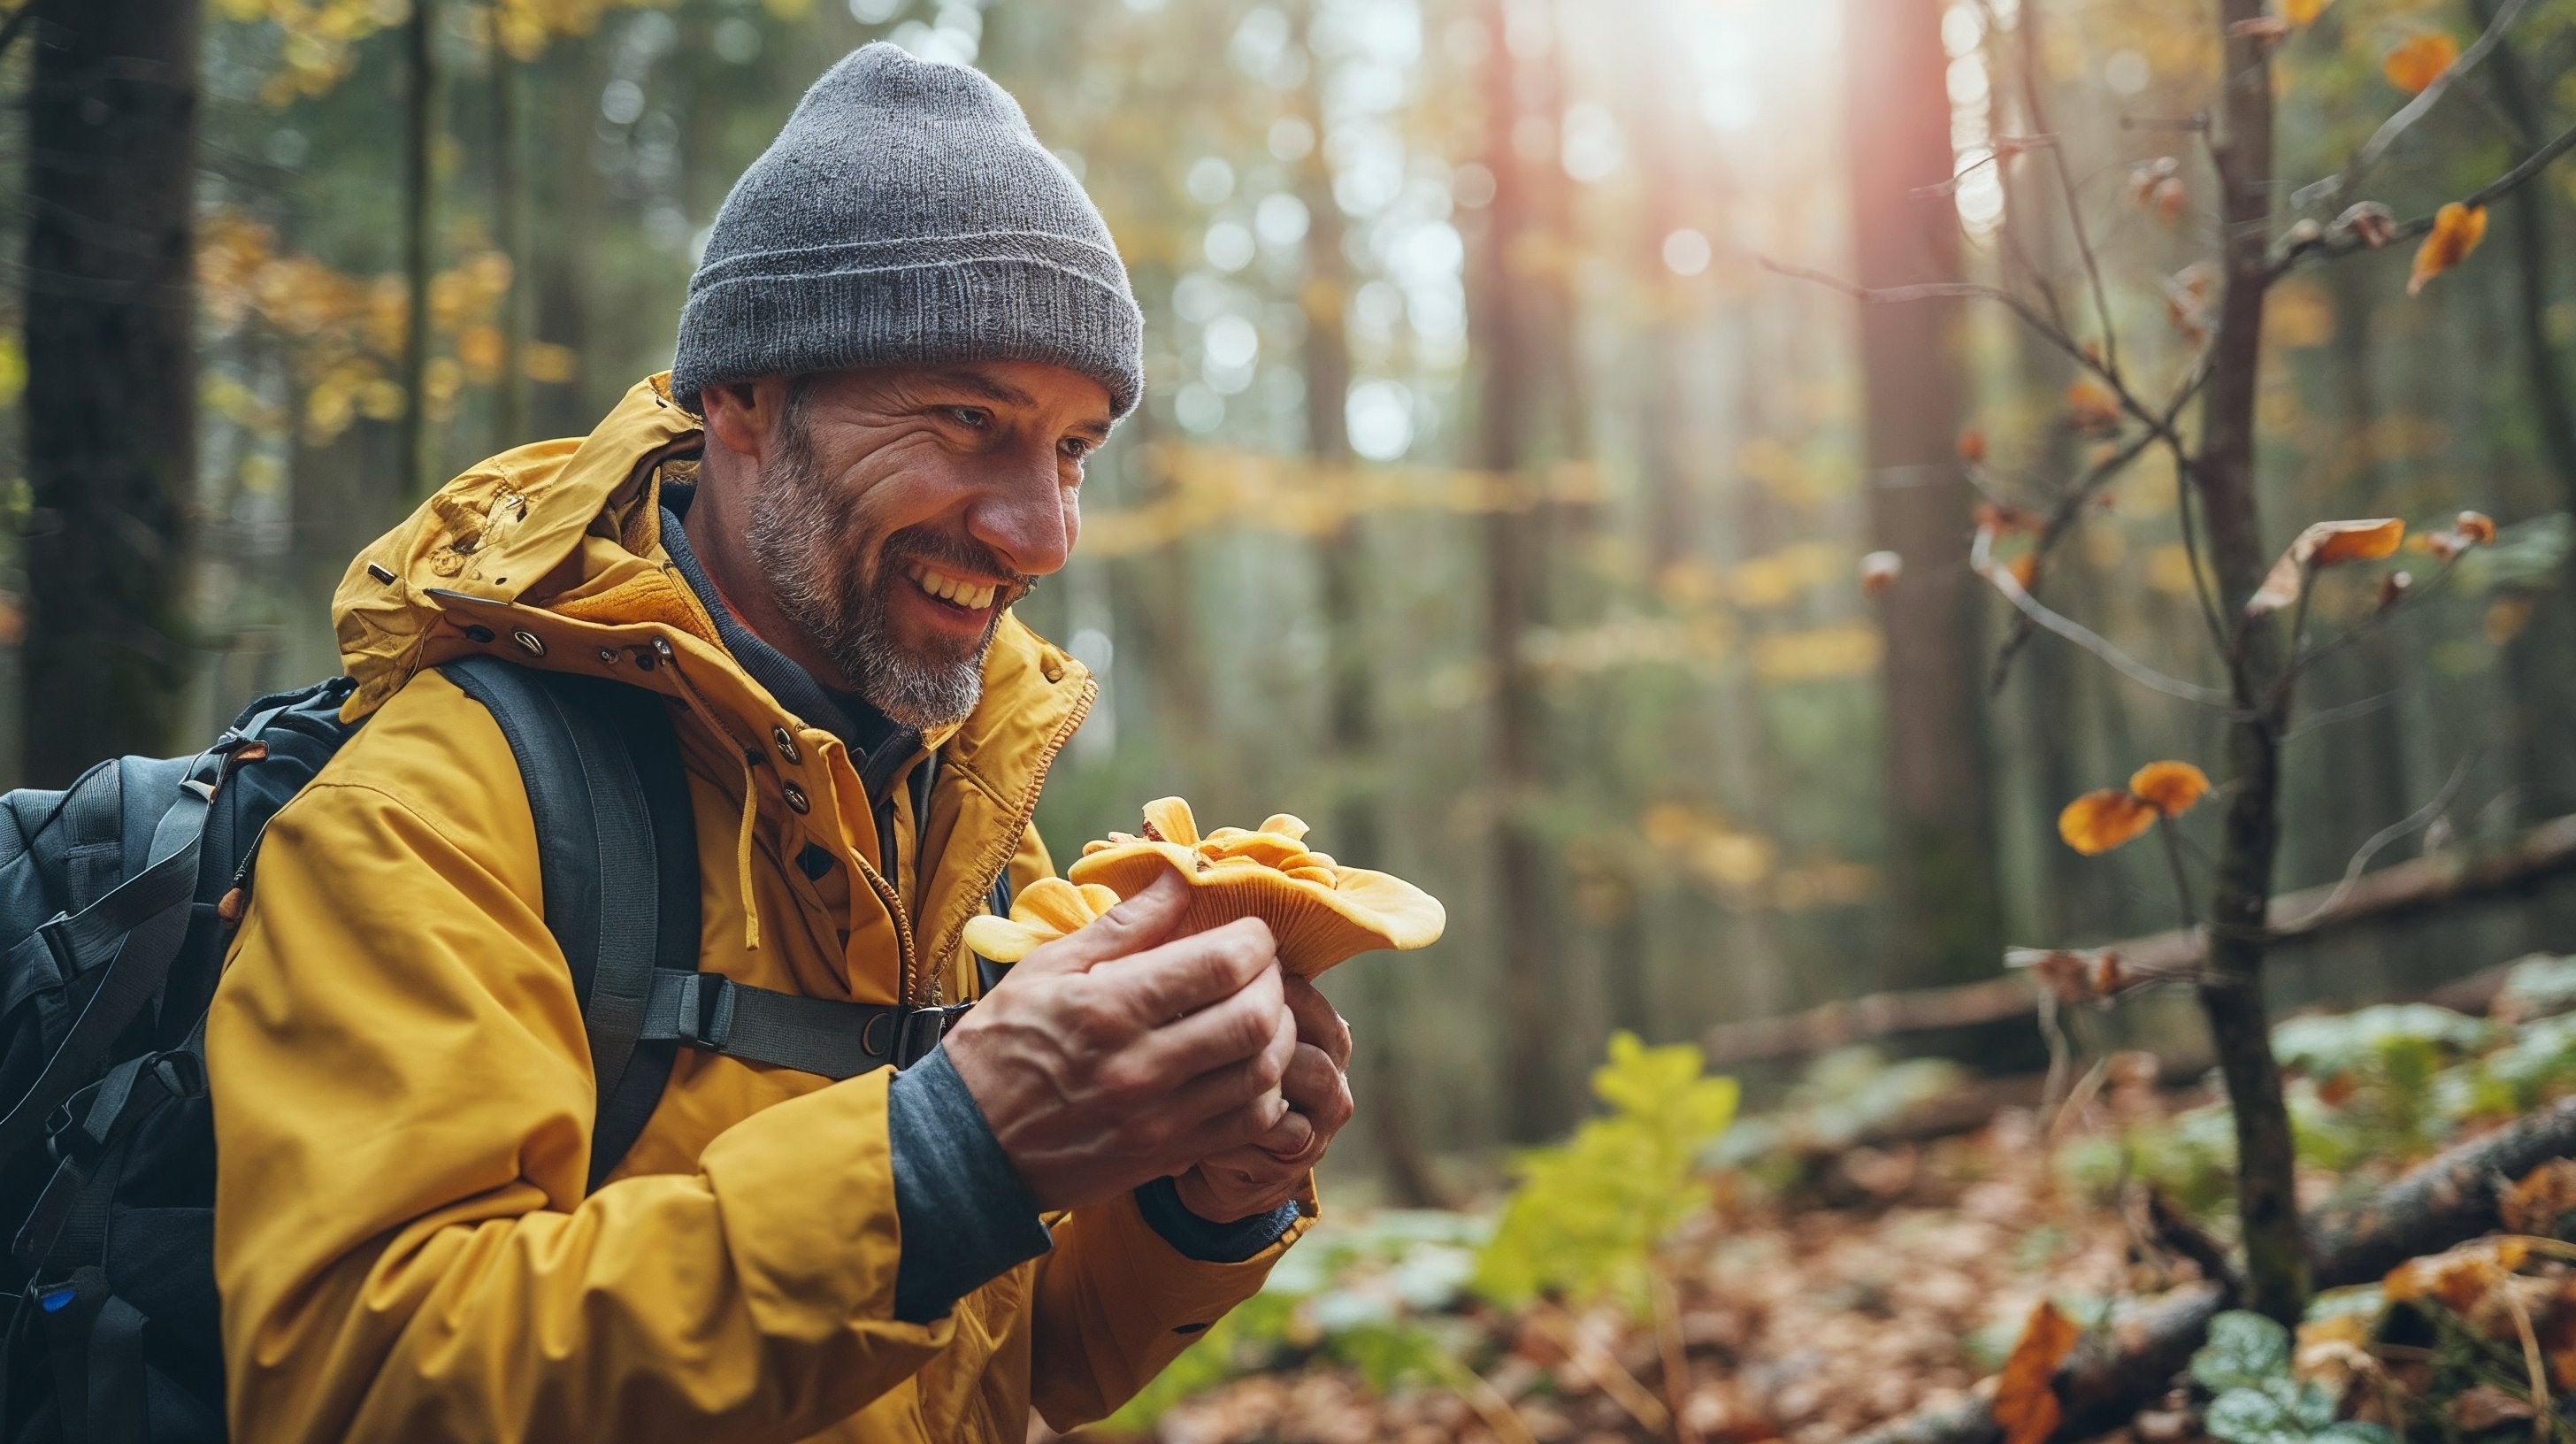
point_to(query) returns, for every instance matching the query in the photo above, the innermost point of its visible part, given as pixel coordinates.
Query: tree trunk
(2240, 141)
(111, 399)
(1535, 1102)
(1940, 825)
(1351, 729)
(420, 76)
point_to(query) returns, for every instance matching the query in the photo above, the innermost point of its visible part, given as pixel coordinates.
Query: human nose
(1025, 517)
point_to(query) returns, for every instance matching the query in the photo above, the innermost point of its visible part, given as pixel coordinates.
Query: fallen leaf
(2325, 544)
(2544, 1195)
(2026, 1405)
(2419, 60)
(2461, 1278)
(2103, 819)
(2457, 229)
(1972, 446)
(2477, 526)
(2171, 786)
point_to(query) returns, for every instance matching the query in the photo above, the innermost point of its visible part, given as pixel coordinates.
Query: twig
(2325, 717)
(2531, 1361)
(2074, 631)
(2415, 821)
(2054, 335)
(1639, 1403)
(2412, 597)
(2333, 244)
(2072, 501)
(2038, 117)
(1676, 1358)
(2219, 630)
(2176, 1233)
(1484, 1398)
(2172, 841)
(2336, 185)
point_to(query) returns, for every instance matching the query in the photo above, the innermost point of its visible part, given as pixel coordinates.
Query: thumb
(1138, 922)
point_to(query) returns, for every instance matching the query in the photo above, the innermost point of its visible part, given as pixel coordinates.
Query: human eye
(973, 418)
(1076, 448)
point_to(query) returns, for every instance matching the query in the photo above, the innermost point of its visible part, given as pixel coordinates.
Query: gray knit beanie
(907, 215)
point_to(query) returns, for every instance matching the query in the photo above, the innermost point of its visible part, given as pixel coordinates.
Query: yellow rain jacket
(402, 1086)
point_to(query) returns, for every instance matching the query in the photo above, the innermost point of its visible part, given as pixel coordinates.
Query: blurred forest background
(1493, 504)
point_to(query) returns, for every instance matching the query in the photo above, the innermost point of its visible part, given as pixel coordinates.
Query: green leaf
(1589, 1213)
(2244, 1351)
(2251, 1416)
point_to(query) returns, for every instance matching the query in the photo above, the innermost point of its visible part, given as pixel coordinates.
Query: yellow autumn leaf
(2419, 60)
(2169, 787)
(2103, 819)
(2457, 229)
(2323, 544)
(2303, 12)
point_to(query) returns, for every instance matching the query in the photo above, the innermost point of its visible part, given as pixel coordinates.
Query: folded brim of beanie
(1000, 296)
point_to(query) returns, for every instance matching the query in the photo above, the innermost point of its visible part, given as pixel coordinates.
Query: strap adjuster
(706, 1010)
(918, 1030)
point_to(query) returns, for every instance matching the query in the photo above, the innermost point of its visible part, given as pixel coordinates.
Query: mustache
(951, 553)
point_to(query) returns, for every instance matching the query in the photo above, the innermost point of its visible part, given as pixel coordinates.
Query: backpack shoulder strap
(616, 861)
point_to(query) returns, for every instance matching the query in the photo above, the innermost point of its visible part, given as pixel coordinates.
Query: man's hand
(1111, 1057)
(1271, 1170)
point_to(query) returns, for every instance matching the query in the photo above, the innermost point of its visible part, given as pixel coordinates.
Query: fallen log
(2449, 1199)
(2440, 879)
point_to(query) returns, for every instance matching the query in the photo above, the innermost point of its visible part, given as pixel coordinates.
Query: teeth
(969, 595)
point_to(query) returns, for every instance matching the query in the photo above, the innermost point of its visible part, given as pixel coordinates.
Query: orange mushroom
(1319, 911)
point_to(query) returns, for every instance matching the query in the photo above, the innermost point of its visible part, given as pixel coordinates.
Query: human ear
(742, 416)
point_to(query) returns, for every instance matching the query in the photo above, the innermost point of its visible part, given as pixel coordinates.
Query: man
(909, 330)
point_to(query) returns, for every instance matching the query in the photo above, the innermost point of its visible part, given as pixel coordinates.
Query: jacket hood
(559, 542)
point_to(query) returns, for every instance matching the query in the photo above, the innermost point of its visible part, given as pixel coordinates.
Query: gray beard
(796, 535)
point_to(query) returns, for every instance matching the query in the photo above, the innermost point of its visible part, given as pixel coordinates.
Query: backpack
(118, 896)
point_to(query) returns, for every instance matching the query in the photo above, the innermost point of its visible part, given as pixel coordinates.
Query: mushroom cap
(1044, 911)
(1315, 924)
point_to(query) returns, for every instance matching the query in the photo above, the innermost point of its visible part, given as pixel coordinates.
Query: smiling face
(894, 514)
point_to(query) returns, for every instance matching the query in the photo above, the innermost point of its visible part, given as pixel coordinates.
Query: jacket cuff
(1201, 1241)
(965, 1216)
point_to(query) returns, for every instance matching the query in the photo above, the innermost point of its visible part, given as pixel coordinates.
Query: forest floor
(1821, 1286)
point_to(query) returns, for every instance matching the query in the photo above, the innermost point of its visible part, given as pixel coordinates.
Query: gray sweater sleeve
(966, 1218)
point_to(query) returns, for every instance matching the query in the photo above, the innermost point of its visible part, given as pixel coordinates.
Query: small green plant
(1590, 1212)
(2255, 1399)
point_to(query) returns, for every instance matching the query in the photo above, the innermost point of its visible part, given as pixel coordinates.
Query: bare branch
(2411, 597)
(2037, 113)
(2334, 187)
(2331, 244)
(1981, 562)
(2071, 503)
(2415, 821)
